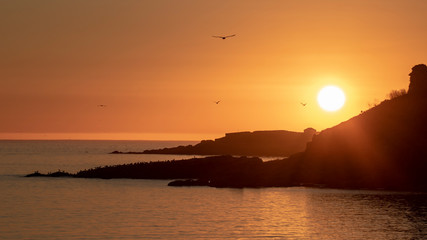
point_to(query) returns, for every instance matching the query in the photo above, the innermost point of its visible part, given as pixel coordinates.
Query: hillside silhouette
(382, 148)
(258, 143)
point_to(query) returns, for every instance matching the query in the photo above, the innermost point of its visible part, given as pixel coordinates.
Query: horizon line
(121, 136)
(106, 136)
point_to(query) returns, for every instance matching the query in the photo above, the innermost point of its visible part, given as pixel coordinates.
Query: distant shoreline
(278, 143)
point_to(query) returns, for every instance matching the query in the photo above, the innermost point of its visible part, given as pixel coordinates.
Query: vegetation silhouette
(384, 147)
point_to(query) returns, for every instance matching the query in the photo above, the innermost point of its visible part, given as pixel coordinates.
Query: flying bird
(303, 104)
(216, 102)
(224, 37)
(102, 105)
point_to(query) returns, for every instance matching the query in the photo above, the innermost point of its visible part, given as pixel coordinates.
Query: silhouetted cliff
(384, 147)
(258, 143)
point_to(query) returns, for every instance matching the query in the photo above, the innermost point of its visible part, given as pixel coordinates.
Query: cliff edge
(384, 147)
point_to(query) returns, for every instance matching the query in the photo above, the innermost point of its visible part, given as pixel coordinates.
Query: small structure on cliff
(418, 80)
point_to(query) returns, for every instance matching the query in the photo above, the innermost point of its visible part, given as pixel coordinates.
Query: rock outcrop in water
(215, 171)
(258, 143)
(58, 173)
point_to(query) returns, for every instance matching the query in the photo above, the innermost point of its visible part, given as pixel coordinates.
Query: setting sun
(331, 98)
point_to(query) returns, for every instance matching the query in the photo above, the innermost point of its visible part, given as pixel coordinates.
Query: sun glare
(331, 98)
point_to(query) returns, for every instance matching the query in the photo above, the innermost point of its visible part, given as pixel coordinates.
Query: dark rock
(35, 174)
(258, 143)
(116, 152)
(58, 173)
(189, 182)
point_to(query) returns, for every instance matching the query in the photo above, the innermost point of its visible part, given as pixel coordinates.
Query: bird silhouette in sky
(224, 37)
(102, 105)
(303, 104)
(216, 102)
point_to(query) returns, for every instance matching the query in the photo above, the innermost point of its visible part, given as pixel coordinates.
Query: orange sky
(158, 70)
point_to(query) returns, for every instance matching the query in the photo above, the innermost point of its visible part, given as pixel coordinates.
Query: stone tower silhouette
(418, 80)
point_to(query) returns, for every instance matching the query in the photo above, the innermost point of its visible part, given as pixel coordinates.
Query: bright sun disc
(331, 98)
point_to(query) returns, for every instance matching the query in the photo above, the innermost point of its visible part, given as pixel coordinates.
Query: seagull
(216, 102)
(224, 37)
(303, 104)
(102, 105)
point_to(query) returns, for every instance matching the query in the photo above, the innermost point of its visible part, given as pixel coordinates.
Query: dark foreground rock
(189, 182)
(215, 171)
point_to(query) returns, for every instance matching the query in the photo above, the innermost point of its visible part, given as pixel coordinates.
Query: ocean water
(67, 208)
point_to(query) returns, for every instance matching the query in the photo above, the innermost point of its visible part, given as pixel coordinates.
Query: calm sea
(67, 208)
